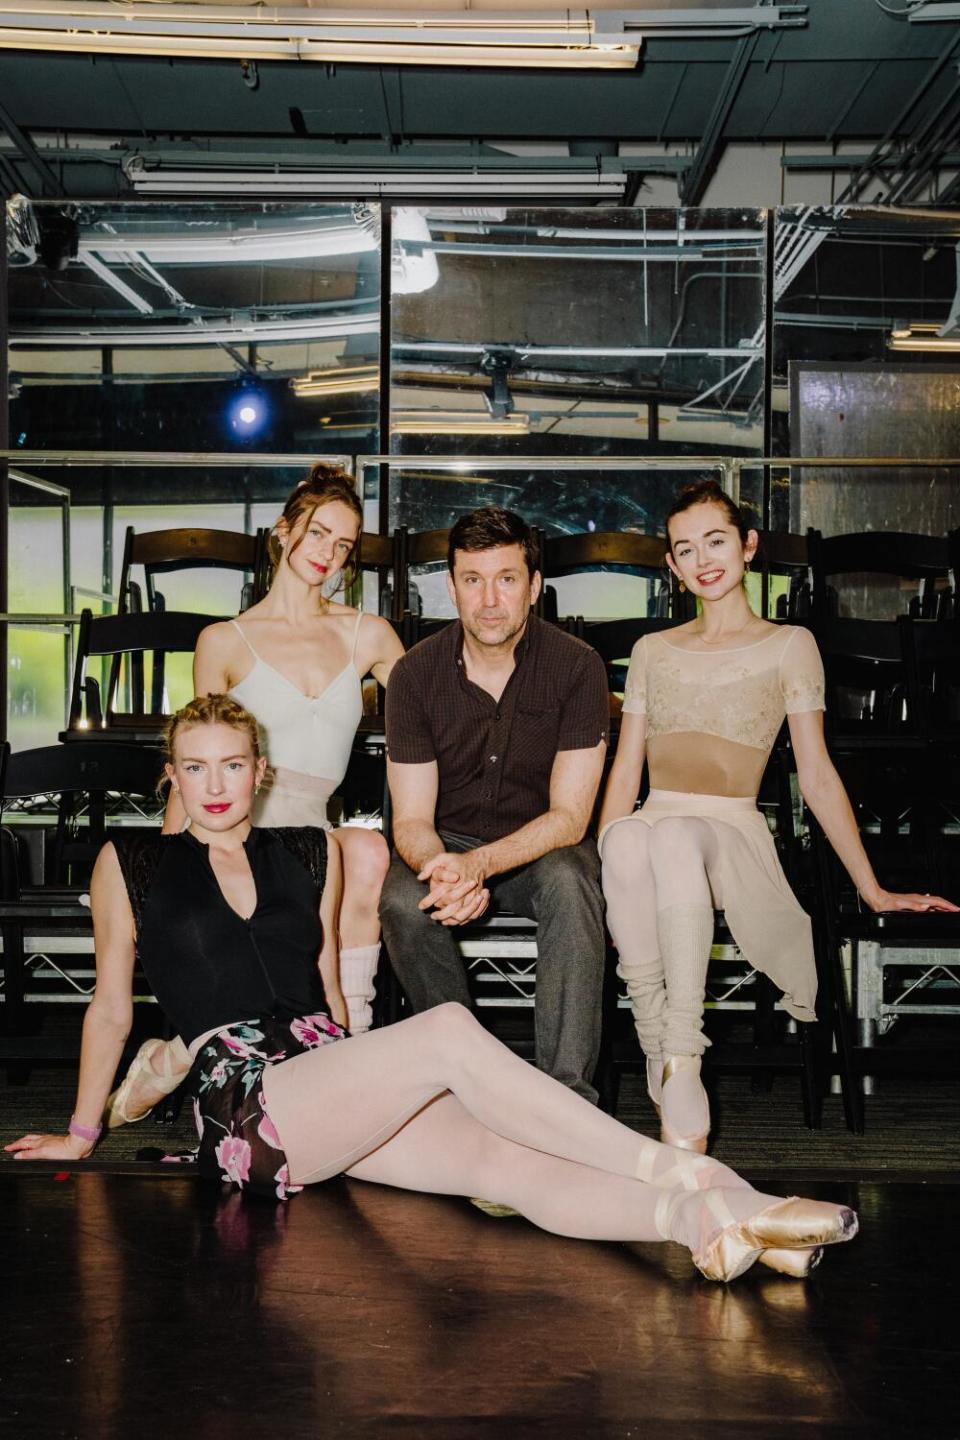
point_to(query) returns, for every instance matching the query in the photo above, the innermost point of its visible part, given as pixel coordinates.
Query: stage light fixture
(248, 412)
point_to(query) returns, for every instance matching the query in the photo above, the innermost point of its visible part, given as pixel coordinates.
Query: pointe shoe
(793, 1224)
(687, 1069)
(494, 1208)
(797, 1263)
(115, 1112)
(654, 1081)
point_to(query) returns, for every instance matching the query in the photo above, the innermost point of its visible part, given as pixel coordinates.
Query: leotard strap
(240, 631)
(356, 637)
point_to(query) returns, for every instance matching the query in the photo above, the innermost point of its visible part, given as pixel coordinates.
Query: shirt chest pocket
(533, 736)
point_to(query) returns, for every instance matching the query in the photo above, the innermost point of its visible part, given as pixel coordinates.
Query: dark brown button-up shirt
(495, 757)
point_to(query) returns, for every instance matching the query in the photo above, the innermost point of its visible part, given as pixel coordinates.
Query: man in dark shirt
(496, 733)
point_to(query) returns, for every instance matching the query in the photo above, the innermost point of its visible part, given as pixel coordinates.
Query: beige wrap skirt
(764, 916)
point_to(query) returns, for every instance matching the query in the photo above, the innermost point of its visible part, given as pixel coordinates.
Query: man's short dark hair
(489, 528)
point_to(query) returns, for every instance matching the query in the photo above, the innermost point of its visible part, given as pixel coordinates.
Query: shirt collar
(520, 652)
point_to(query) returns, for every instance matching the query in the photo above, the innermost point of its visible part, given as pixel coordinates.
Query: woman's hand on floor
(890, 900)
(49, 1147)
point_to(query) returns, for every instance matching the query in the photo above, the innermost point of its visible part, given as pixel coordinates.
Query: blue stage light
(248, 413)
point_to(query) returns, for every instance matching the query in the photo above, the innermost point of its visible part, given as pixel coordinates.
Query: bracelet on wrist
(84, 1132)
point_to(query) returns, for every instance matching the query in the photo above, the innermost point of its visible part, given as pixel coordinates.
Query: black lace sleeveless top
(206, 965)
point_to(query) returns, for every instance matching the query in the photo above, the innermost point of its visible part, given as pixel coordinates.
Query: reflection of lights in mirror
(448, 422)
(600, 327)
(200, 314)
(920, 335)
(341, 380)
(249, 413)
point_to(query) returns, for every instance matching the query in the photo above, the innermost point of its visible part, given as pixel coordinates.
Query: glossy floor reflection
(142, 1307)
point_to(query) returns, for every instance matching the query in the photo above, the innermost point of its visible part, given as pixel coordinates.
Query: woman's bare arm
(380, 648)
(822, 789)
(626, 772)
(106, 1024)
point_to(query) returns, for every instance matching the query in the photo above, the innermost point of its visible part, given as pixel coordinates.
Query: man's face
(493, 592)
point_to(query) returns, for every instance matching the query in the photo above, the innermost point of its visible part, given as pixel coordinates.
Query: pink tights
(436, 1104)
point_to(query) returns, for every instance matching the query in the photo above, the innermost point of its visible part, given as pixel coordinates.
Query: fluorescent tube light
(922, 335)
(151, 175)
(342, 380)
(449, 422)
(565, 39)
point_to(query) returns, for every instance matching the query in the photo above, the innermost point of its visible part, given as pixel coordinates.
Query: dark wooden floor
(140, 1304)
(145, 1307)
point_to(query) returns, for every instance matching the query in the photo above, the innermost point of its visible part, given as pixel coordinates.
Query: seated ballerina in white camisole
(307, 737)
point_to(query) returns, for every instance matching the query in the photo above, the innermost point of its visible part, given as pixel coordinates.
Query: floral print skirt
(238, 1141)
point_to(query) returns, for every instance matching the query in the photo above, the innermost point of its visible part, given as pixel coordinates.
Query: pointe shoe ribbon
(793, 1224)
(670, 1133)
(654, 1081)
(116, 1112)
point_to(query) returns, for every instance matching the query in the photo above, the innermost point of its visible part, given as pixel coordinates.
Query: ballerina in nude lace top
(702, 708)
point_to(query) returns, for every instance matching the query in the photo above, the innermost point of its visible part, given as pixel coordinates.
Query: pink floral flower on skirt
(233, 1156)
(237, 1047)
(266, 1128)
(284, 1188)
(220, 1073)
(315, 1030)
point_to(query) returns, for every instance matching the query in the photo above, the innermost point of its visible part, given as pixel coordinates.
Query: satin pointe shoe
(797, 1263)
(684, 1108)
(654, 1081)
(162, 1082)
(794, 1224)
(494, 1209)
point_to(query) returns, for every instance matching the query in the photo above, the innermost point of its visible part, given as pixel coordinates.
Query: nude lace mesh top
(713, 715)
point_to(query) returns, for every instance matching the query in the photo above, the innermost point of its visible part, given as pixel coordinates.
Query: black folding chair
(427, 547)
(109, 638)
(160, 552)
(868, 682)
(626, 551)
(903, 963)
(895, 554)
(613, 640)
(56, 803)
(781, 553)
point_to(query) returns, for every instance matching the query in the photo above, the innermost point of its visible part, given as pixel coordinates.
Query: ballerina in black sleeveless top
(232, 928)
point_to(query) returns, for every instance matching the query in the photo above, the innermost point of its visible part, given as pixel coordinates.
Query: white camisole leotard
(307, 738)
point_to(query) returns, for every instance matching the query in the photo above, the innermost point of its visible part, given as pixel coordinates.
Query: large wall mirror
(577, 335)
(866, 367)
(528, 348)
(182, 328)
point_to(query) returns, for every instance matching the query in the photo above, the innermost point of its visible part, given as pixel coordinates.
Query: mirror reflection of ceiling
(571, 327)
(590, 331)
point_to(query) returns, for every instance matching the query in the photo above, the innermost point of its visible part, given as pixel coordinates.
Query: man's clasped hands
(457, 893)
